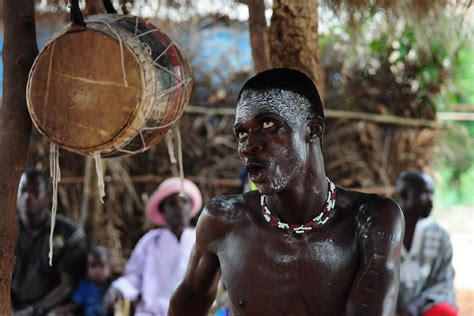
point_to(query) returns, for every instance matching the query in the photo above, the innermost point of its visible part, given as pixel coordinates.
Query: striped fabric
(426, 269)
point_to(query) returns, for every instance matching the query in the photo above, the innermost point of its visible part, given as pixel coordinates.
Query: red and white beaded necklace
(319, 220)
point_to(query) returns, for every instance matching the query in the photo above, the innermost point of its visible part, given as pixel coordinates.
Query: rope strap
(55, 173)
(100, 175)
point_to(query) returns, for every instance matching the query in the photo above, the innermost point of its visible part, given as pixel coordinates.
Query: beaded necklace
(319, 220)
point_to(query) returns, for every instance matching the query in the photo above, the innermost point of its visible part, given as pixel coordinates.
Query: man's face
(32, 196)
(271, 138)
(418, 200)
(177, 210)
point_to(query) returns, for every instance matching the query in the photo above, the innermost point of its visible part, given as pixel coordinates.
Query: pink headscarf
(169, 187)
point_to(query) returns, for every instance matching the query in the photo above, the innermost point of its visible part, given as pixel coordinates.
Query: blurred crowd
(75, 279)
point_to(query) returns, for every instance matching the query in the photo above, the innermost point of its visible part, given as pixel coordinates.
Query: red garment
(442, 309)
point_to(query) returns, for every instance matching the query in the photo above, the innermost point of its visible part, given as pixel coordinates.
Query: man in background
(158, 261)
(426, 272)
(37, 287)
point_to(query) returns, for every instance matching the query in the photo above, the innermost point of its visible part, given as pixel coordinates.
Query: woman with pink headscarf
(160, 258)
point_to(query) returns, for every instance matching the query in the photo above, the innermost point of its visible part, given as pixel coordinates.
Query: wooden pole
(337, 114)
(258, 34)
(19, 51)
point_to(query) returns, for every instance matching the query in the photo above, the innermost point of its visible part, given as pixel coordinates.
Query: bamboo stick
(351, 115)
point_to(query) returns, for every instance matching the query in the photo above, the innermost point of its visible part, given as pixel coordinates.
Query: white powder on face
(280, 180)
(291, 106)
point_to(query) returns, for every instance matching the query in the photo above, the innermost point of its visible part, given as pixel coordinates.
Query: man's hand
(112, 297)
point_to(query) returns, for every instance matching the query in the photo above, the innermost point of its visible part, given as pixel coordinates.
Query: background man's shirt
(426, 269)
(33, 277)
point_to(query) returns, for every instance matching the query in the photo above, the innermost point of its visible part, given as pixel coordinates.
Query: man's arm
(195, 294)
(380, 234)
(58, 294)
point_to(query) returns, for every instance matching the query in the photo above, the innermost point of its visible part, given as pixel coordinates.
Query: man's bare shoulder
(380, 218)
(221, 214)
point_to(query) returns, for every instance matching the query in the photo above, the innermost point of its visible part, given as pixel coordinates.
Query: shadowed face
(98, 269)
(416, 195)
(271, 134)
(177, 210)
(32, 195)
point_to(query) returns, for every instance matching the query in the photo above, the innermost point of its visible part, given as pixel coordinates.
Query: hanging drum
(115, 86)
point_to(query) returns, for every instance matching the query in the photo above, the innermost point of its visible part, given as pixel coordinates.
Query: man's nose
(253, 144)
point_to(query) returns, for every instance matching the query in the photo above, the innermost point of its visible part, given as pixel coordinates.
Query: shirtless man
(340, 252)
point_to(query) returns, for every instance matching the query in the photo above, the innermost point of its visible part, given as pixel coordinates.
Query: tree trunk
(294, 37)
(258, 34)
(19, 51)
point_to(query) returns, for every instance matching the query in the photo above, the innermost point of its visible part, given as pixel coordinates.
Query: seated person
(89, 295)
(426, 272)
(159, 260)
(37, 287)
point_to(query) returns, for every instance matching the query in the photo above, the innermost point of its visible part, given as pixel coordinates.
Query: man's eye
(241, 135)
(268, 124)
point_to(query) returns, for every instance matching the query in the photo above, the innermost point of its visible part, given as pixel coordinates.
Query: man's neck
(34, 223)
(302, 200)
(178, 232)
(410, 225)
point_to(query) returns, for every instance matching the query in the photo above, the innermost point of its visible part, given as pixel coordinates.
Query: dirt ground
(459, 221)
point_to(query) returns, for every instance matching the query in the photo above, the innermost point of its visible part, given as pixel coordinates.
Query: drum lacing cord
(55, 173)
(100, 174)
(175, 133)
(180, 158)
(170, 146)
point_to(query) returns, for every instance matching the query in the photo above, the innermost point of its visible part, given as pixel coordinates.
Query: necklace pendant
(302, 229)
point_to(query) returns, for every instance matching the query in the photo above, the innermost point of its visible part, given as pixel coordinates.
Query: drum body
(115, 87)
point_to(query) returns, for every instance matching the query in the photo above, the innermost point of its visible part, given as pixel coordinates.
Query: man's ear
(315, 128)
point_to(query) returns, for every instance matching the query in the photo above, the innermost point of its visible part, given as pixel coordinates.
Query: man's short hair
(414, 178)
(287, 79)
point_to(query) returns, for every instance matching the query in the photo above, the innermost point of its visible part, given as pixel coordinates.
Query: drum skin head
(79, 96)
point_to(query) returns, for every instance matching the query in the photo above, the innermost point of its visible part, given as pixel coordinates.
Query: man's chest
(288, 270)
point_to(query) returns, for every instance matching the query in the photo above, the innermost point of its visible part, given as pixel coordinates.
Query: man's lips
(256, 170)
(253, 166)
